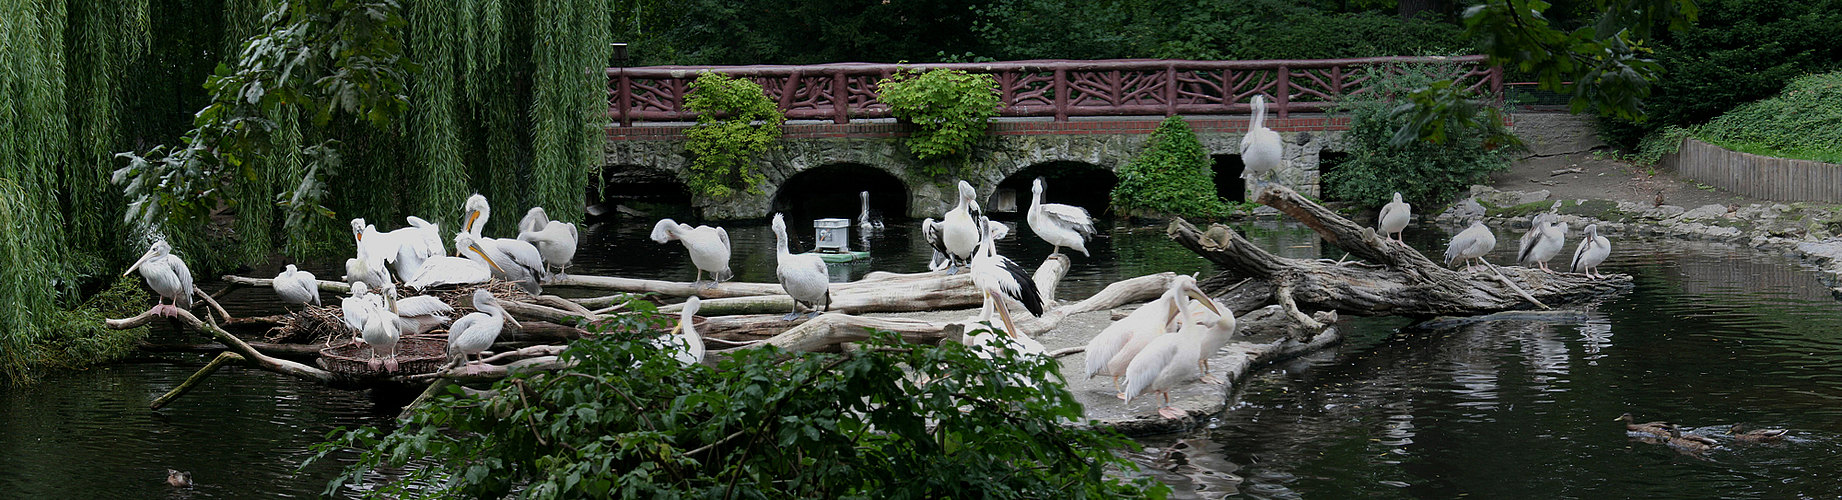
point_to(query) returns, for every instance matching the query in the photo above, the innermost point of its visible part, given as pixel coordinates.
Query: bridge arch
(831, 190)
(1077, 183)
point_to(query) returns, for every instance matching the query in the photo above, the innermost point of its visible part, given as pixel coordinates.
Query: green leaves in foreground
(891, 420)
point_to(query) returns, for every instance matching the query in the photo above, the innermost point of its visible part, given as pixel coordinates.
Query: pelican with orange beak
(167, 275)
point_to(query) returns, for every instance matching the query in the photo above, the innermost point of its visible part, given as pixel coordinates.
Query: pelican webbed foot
(792, 316)
(1211, 380)
(1172, 412)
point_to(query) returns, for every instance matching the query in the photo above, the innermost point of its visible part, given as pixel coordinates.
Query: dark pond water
(1712, 334)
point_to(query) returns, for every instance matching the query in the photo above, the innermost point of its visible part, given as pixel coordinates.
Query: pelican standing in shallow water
(1472, 243)
(804, 276)
(297, 287)
(1060, 225)
(510, 260)
(555, 242)
(167, 275)
(1592, 251)
(999, 278)
(1394, 218)
(475, 332)
(1111, 351)
(708, 246)
(959, 229)
(685, 335)
(1544, 241)
(867, 222)
(1261, 148)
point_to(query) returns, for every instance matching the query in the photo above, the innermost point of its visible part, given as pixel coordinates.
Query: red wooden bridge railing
(1043, 88)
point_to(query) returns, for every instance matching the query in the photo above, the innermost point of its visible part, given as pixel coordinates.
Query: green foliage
(1805, 121)
(78, 337)
(568, 105)
(27, 250)
(1173, 176)
(1662, 142)
(1425, 173)
(1604, 65)
(735, 122)
(949, 108)
(890, 420)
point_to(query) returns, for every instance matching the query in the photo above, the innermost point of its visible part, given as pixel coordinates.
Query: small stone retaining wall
(1771, 178)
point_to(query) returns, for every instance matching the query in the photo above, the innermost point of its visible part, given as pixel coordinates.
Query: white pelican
(1592, 251)
(930, 232)
(959, 230)
(367, 268)
(1112, 350)
(353, 309)
(1544, 241)
(1176, 358)
(1394, 218)
(510, 260)
(445, 270)
(555, 242)
(475, 332)
(474, 214)
(804, 276)
(1060, 225)
(415, 244)
(381, 332)
(998, 278)
(296, 286)
(1261, 148)
(708, 246)
(1472, 243)
(1218, 326)
(867, 222)
(419, 314)
(167, 275)
(684, 336)
(534, 220)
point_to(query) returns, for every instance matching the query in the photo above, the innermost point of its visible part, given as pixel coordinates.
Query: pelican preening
(296, 286)
(555, 241)
(1172, 359)
(1060, 225)
(474, 214)
(534, 220)
(804, 276)
(445, 270)
(708, 246)
(1544, 241)
(685, 334)
(960, 228)
(866, 221)
(380, 331)
(1111, 351)
(1394, 218)
(167, 275)
(1472, 243)
(509, 259)
(998, 278)
(1261, 148)
(475, 332)
(1592, 251)
(353, 309)
(404, 249)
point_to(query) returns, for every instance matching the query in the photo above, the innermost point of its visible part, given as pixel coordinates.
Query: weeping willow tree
(31, 114)
(382, 109)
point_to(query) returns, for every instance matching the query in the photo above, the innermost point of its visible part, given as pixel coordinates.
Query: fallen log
(236, 345)
(1401, 281)
(198, 376)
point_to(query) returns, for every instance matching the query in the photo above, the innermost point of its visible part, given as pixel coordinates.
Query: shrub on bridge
(949, 108)
(1172, 176)
(735, 122)
(1425, 173)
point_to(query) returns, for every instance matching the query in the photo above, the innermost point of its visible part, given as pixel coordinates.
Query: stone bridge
(1075, 123)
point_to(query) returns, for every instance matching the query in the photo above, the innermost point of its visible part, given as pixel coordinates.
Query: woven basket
(415, 355)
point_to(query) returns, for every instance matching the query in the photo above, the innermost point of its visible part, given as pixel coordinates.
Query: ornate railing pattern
(1042, 88)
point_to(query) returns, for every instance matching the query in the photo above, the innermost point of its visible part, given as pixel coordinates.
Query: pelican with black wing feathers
(999, 278)
(960, 230)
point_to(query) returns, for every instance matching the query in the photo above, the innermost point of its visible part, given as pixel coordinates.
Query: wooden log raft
(1391, 279)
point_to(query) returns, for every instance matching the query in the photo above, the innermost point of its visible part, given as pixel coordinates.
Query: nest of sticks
(326, 325)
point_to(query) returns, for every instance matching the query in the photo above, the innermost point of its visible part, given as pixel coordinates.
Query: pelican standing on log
(475, 332)
(1394, 218)
(1592, 251)
(1060, 225)
(1173, 359)
(534, 220)
(930, 232)
(521, 265)
(804, 276)
(381, 332)
(555, 241)
(352, 309)
(708, 246)
(296, 287)
(999, 278)
(1111, 351)
(1472, 243)
(1543, 242)
(959, 229)
(1262, 150)
(167, 275)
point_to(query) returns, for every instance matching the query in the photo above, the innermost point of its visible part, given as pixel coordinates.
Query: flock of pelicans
(1160, 345)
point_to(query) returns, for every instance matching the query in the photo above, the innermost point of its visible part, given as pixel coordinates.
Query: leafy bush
(79, 338)
(735, 121)
(1805, 121)
(1382, 162)
(1173, 176)
(892, 420)
(1662, 142)
(949, 108)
